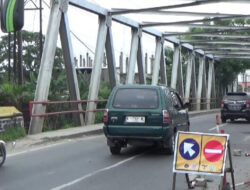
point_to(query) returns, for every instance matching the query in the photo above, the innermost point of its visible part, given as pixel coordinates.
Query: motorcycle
(2, 152)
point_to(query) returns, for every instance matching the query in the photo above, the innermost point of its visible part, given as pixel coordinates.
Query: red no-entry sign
(213, 150)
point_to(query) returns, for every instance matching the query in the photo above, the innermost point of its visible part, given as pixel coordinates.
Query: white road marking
(49, 146)
(213, 151)
(95, 172)
(214, 128)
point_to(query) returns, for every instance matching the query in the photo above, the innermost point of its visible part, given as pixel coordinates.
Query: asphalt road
(86, 163)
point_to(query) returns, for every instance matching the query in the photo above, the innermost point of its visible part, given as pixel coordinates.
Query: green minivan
(144, 115)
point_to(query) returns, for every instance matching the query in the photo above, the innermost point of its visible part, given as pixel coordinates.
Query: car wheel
(223, 120)
(170, 145)
(2, 153)
(115, 150)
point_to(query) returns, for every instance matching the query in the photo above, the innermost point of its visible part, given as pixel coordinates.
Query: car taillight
(222, 103)
(248, 103)
(165, 115)
(105, 115)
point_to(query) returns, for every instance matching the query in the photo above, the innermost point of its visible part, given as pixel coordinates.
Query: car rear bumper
(245, 113)
(155, 133)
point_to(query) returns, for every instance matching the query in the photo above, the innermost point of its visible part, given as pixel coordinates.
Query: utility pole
(14, 57)
(20, 58)
(41, 30)
(9, 51)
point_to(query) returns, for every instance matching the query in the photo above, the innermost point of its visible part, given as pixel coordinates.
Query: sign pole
(174, 180)
(188, 181)
(231, 165)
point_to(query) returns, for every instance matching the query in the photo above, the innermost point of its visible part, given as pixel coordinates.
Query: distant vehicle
(2, 152)
(235, 105)
(144, 115)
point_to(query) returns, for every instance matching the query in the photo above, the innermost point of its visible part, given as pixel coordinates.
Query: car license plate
(234, 107)
(135, 119)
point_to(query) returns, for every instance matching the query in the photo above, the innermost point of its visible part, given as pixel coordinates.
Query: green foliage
(99, 117)
(30, 56)
(12, 133)
(103, 95)
(83, 81)
(228, 69)
(104, 90)
(11, 95)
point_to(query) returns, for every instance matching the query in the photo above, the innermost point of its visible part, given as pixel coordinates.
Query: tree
(227, 70)
(30, 52)
(13, 95)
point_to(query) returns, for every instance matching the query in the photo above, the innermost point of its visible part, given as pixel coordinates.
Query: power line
(82, 42)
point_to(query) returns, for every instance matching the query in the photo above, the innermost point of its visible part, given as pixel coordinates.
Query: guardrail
(193, 101)
(31, 103)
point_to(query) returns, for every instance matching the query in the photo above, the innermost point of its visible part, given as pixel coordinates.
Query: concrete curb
(203, 112)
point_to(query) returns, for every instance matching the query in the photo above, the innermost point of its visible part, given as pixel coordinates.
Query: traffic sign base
(224, 184)
(187, 179)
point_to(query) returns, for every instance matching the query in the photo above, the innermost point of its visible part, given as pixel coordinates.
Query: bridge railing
(31, 103)
(59, 112)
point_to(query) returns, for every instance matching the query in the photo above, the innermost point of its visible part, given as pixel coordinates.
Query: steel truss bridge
(207, 51)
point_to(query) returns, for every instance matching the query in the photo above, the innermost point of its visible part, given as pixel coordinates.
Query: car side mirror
(177, 107)
(187, 105)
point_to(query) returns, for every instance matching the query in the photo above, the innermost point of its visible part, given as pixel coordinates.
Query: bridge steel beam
(190, 25)
(214, 47)
(70, 69)
(201, 82)
(189, 13)
(239, 43)
(180, 86)
(176, 60)
(210, 84)
(163, 72)
(213, 33)
(231, 57)
(47, 62)
(97, 69)
(224, 36)
(85, 5)
(133, 56)
(194, 81)
(177, 75)
(140, 60)
(228, 52)
(157, 60)
(151, 24)
(190, 78)
(113, 79)
(126, 11)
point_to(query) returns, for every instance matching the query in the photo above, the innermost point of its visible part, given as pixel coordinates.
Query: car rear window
(141, 98)
(237, 96)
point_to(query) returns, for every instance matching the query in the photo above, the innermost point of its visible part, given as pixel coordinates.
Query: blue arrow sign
(189, 149)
